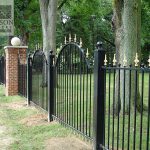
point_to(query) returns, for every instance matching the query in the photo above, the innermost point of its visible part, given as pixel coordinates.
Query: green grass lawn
(73, 88)
(26, 137)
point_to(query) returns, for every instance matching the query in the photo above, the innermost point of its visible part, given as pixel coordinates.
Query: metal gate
(39, 79)
(73, 102)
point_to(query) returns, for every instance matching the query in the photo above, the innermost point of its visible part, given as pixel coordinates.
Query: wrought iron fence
(38, 79)
(117, 117)
(2, 70)
(123, 104)
(73, 103)
(127, 107)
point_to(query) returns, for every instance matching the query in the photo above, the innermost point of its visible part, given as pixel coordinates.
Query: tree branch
(61, 5)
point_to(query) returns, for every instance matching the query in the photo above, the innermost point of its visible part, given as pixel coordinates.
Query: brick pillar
(12, 54)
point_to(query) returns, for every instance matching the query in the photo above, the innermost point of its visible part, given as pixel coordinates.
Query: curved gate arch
(39, 79)
(73, 90)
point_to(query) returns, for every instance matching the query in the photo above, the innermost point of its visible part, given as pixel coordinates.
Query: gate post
(99, 98)
(50, 86)
(29, 80)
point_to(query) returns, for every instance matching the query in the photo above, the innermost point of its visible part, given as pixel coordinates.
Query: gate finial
(65, 40)
(75, 38)
(136, 60)
(80, 42)
(105, 60)
(69, 37)
(87, 53)
(124, 61)
(114, 60)
(149, 61)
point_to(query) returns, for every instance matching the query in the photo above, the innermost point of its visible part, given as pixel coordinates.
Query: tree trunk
(48, 9)
(127, 24)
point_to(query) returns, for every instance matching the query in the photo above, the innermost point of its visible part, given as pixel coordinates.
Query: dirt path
(36, 119)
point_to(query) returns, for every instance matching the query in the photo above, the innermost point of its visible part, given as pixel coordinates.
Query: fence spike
(75, 38)
(105, 60)
(38, 45)
(65, 40)
(124, 61)
(53, 62)
(136, 61)
(149, 61)
(69, 37)
(87, 53)
(61, 46)
(80, 42)
(114, 60)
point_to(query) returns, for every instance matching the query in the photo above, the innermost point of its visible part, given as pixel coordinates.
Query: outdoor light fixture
(65, 18)
(15, 41)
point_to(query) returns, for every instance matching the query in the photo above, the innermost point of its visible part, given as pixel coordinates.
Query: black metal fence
(73, 103)
(38, 79)
(2, 70)
(117, 117)
(127, 112)
(22, 79)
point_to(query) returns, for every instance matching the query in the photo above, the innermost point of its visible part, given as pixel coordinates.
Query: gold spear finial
(61, 46)
(36, 47)
(69, 37)
(114, 60)
(124, 61)
(65, 40)
(80, 42)
(149, 61)
(87, 53)
(136, 61)
(75, 38)
(105, 60)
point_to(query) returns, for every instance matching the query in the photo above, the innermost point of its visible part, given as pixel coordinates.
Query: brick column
(12, 54)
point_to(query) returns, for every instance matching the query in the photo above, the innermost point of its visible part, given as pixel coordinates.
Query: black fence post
(29, 80)
(50, 86)
(99, 98)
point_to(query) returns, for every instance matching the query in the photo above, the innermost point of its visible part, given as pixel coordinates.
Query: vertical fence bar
(29, 80)
(99, 110)
(148, 117)
(50, 86)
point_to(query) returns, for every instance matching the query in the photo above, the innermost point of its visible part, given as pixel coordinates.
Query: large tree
(127, 25)
(48, 9)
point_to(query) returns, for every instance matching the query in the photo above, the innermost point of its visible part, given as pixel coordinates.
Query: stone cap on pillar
(16, 47)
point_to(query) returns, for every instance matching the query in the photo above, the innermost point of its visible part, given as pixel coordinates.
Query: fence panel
(74, 90)
(127, 112)
(2, 70)
(39, 80)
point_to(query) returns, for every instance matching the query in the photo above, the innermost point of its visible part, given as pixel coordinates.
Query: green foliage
(145, 29)
(86, 21)
(3, 42)
(28, 21)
